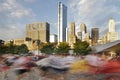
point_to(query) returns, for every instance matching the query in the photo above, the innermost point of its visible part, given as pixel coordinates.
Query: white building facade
(112, 35)
(53, 38)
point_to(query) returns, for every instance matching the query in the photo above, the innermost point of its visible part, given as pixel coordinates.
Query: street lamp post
(38, 44)
(11, 46)
(11, 42)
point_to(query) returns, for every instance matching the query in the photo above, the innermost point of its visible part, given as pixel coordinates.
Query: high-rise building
(62, 22)
(111, 25)
(94, 36)
(83, 28)
(83, 31)
(104, 39)
(38, 31)
(112, 35)
(87, 37)
(72, 37)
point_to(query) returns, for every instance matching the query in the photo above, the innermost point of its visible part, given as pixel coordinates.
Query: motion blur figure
(114, 77)
(3, 68)
(23, 66)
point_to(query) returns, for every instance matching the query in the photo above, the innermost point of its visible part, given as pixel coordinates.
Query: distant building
(94, 35)
(83, 31)
(87, 37)
(53, 38)
(79, 35)
(111, 25)
(38, 31)
(19, 41)
(104, 39)
(72, 37)
(111, 35)
(62, 22)
(67, 34)
(100, 41)
(83, 28)
(9, 41)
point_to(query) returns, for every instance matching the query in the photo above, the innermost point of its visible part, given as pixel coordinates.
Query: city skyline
(15, 14)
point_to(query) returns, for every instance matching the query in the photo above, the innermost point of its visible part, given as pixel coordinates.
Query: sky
(15, 14)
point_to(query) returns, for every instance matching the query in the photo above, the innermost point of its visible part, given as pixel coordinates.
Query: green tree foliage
(62, 48)
(9, 48)
(13, 49)
(3, 49)
(47, 48)
(81, 48)
(22, 49)
(41, 45)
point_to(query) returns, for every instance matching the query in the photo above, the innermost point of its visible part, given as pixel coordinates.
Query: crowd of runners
(93, 64)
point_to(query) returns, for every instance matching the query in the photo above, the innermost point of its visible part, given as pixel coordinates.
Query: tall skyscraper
(111, 25)
(112, 35)
(38, 30)
(62, 22)
(72, 37)
(83, 28)
(83, 31)
(94, 36)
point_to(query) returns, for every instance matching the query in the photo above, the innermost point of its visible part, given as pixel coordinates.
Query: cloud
(95, 13)
(11, 32)
(13, 15)
(19, 13)
(30, 0)
(15, 9)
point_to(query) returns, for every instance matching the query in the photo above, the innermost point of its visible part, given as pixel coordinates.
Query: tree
(81, 48)
(3, 49)
(21, 49)
(62, 48)
(9, 48)
(13, 49)
(47, 48)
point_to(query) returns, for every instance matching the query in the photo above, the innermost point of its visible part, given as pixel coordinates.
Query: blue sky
(15, 14)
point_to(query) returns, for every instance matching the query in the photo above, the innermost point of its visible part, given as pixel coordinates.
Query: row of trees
(13, 49)
(48, 48)
(80, 48)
